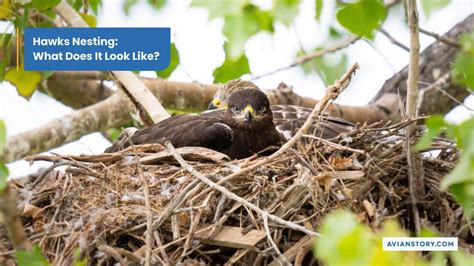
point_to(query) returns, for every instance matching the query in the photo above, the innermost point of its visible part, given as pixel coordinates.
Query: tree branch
(413, 158)
(435, 62)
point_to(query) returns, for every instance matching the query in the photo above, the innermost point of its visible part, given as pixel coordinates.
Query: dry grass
(96, 204)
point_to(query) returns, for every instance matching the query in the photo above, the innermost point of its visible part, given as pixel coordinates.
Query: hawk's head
(249, 109)
(221, 98)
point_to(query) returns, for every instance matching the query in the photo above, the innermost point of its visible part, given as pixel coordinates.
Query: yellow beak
(248, 112)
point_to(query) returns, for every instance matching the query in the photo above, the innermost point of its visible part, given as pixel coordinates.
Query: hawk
(287, 118)
(245, 127)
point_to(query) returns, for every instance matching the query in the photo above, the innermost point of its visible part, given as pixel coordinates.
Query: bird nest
(119, 207)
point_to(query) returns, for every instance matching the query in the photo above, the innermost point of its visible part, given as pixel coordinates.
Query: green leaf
(429, 6)
(460, 258)
(5, 9)
(231, 69)
(3, 176)
(343, 241)
(77, 258)
(31, 258)
(127, 4)
(45, 4)
(463, 70)
(94, 4)
(319, 9)
(89, 19)
(434, 125)
(329, 70)
(285, 10)
(25, 81)
(157, 4)
(220, 8)
(461, 180)
(174, 62)
(3, 136)
(363, 17)
(381, 257)
(240, 27)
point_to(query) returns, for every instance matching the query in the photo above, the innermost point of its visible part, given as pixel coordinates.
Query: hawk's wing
(289, 118)
(207, 131)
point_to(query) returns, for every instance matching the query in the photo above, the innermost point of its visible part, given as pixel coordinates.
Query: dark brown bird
(287, 118)
(244, 128)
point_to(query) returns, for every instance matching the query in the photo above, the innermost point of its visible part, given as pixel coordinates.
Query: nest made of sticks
(97, 204)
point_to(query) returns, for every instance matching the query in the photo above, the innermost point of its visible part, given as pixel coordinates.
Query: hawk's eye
(261, 109)
(235, 109)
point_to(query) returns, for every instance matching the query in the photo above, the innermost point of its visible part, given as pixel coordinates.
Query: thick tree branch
(435, 62)
(97, 117)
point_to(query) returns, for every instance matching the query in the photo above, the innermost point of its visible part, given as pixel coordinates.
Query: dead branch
(413, 158)
(236, 198)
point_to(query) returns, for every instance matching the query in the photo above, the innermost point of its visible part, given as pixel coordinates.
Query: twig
(113, 253)
(335, 145)
(412, 95)
(174, 204)
(235, 197)
(149, 215)
(159, 244)
(439, 85)
(393, 40)
(270, 239)
(304, 59)
(441, 38)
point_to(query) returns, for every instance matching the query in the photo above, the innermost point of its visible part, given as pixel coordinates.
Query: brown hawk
(245, 127)
(287, 118)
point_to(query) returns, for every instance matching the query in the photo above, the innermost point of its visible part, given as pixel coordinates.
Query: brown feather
(219, 130)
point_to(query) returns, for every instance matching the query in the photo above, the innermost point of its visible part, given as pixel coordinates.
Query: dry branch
(413, 158)
(105, 211)
(235, 197)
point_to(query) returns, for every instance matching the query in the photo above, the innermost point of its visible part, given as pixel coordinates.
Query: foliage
(463, 70)
(285, 10)
(24, 81)
(461, 180)
(89, 19)
(44, 4)
(363, 17)
(344, 241)
(174, 62)
(31, 258)
(231, 69)
(430, 6)
(319, 9)
(5, 9)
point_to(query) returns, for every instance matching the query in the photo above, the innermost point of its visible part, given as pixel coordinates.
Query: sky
(199, 42)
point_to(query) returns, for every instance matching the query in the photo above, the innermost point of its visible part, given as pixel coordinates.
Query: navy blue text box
(97, 48)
